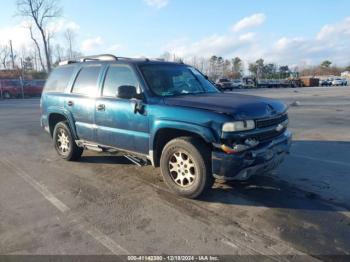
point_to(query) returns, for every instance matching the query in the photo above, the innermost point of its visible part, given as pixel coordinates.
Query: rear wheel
(186, 167)
(65, 144)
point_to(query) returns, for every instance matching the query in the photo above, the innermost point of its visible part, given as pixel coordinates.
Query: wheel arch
(166, 132)
(59, 115)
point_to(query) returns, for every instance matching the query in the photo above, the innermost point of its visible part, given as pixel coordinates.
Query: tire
(64, 143)
(186, 167)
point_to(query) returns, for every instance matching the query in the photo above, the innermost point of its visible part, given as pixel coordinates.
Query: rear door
(81, 101)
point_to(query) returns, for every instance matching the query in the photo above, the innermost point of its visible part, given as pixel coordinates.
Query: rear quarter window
(59, 79)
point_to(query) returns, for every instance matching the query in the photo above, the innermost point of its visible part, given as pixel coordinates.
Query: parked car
(237, 83)
(224, 84)
(166, 114)
(326, 82)
(338, 82)
(10, 88)
(33, 87)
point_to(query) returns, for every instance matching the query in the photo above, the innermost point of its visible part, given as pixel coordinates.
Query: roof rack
(103, 57)
(66, 62)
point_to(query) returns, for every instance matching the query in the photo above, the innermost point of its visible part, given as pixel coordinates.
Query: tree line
(218, 67)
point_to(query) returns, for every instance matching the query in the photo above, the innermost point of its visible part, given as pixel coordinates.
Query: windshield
(175, 80)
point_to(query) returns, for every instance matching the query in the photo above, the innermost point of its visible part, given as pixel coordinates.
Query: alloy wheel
(182, 169)
(63, 143)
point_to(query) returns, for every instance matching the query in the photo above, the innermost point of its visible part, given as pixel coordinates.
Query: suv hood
(239, 106)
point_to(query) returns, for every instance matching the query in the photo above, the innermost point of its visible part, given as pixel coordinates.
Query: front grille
(271, 121)
(270, 135)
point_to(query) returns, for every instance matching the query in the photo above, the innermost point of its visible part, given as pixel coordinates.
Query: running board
(88, 146)
(95, 147)
(137, 161)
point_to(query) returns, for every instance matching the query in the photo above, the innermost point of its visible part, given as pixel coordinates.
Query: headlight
(238, 126)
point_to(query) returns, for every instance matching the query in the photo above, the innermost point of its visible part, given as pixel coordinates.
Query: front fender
(204, 132)
(68, 115)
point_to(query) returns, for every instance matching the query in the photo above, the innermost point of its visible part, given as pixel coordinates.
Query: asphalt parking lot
(106, 205)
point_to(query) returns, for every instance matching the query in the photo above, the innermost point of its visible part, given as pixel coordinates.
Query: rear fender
(64, 112)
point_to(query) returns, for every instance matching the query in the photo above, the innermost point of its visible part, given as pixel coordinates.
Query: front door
(117, 123)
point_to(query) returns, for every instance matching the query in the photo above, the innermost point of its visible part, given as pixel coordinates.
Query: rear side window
(59, 79)
(86, 81)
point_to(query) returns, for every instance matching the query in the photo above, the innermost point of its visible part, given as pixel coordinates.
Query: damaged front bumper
(259, 160)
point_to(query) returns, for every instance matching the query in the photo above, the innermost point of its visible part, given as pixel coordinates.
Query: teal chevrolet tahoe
(165, 114)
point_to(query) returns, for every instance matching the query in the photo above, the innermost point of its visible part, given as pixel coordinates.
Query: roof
(111, 58)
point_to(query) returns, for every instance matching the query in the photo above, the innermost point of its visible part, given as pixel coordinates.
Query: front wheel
(65, 144)
(186, 167)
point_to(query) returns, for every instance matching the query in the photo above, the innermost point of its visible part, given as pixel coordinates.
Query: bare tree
(49, 38)
(5, 53)
(37, 46)
(41, 11)
(70, 38)
(58, 53)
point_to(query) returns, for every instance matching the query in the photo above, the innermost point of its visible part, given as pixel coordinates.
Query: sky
(284, 32)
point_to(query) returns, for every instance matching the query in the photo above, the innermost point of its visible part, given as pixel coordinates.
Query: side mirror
(126, 92)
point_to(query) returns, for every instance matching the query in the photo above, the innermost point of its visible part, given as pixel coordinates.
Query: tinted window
(59, 79)
(118, 76)
(86, 82)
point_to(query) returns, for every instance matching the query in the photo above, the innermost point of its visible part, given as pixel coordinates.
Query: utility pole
(12, 57)
(22, 78)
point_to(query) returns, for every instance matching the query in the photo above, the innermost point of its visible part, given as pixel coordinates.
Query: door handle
(101, 107)
(70, 103)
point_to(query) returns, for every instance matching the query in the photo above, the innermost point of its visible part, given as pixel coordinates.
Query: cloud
(331, 42)
(19, 35)
(342, 28)
(223, 45)
(61, 25)
(91, 44)
(157, 3)
(116, 48)
(249, 21)
(247, 37)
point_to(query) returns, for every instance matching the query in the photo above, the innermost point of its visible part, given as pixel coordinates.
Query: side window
(86, 81)
(59, 79)
(118, 76)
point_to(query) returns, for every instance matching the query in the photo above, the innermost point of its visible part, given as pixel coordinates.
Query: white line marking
(38, 187)
(226, 242)
(106, 241)
(323, 160)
